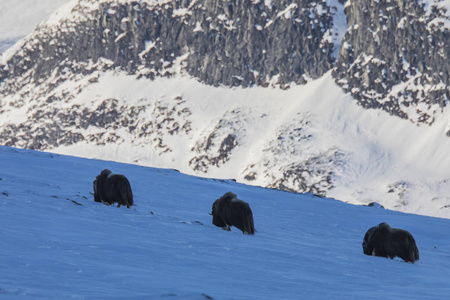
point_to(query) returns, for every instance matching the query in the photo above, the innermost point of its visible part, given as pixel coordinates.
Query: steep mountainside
(226, 42)
(261, 91)
(395, 56)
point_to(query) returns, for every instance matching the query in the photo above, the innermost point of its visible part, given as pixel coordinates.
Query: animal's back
(245, 220)
(413, 251)
(123, 189)
(250, 228)
(117, 189)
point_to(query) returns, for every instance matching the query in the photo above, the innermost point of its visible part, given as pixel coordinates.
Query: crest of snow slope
(57, 243)
(372, 157)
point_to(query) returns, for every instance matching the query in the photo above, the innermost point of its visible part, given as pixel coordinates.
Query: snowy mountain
(57, 243)
(19, 18)
(270, 93)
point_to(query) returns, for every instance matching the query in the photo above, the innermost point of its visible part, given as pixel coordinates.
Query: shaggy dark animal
(383, 240)
(228, 211)
(113, 188)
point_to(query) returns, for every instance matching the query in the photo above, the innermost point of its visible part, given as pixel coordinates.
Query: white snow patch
(198, 27)
(180, 12)
(120, 36)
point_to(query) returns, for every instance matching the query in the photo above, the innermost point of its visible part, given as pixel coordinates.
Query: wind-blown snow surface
(165, 247)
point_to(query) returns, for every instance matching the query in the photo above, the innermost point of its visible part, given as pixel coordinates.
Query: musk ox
(382, 240)
(228, 211)
(113, 188)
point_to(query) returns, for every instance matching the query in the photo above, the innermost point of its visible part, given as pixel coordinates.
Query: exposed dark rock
(394, 56)
(233, 43)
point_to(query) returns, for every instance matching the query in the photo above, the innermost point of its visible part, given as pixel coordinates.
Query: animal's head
(384, 226)
(215, 208)
(229, 196)
(95, 185)
(367, 241)
(217, 220)
(105, 172)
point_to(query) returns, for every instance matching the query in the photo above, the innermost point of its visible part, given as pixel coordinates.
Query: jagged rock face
(395, 56)
(233, 43)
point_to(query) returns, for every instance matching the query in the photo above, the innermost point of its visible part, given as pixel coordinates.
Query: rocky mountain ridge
(395, 57)
(232, 43)
(394, 54)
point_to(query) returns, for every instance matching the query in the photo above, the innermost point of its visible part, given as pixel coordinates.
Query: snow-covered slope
(57, 243)
(309, 138)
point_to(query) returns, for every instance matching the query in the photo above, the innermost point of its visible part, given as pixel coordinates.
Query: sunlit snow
(57, 243)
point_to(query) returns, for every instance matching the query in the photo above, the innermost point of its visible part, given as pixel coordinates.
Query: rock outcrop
(232, 43)
(395, 56)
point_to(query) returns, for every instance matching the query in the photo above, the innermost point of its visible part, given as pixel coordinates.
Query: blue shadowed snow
(165, 247)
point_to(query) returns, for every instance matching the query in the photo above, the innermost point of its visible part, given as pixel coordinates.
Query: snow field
(165, 247)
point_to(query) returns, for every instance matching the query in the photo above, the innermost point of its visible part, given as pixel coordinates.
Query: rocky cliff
(395, 56)
(233, 43)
